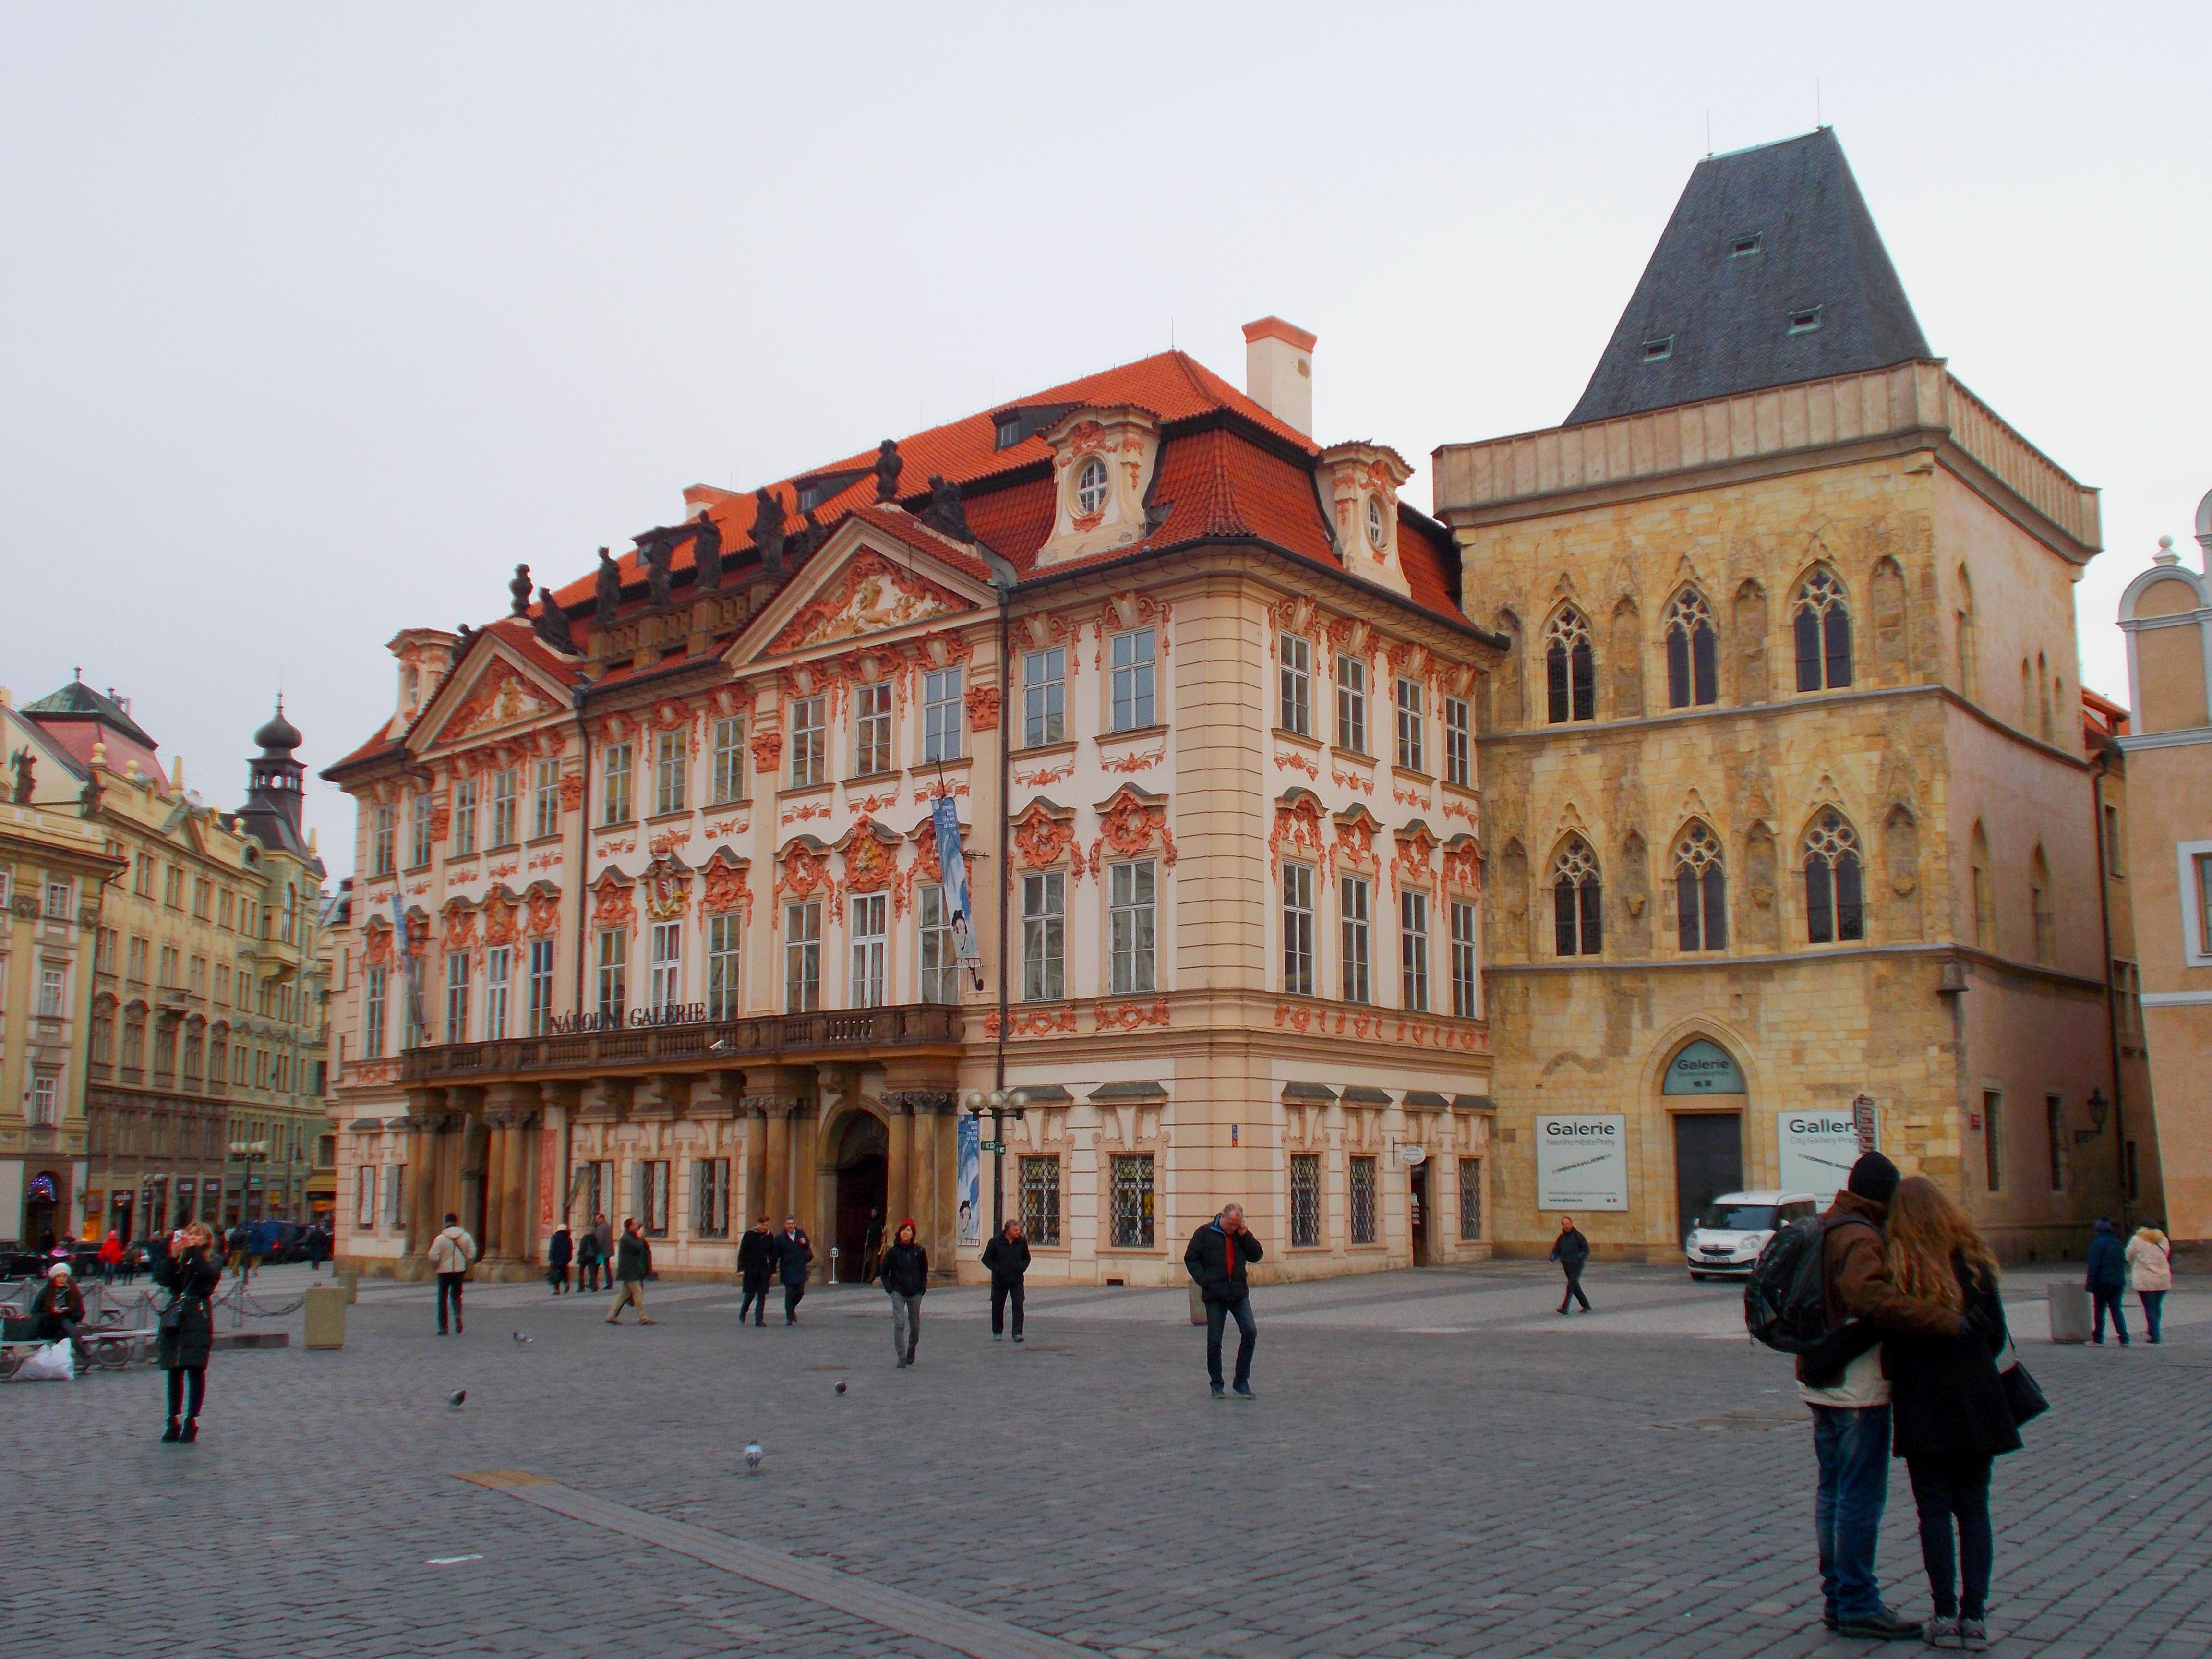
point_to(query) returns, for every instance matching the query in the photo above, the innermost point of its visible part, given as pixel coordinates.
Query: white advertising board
(1582, 1164)
(1818, 1149)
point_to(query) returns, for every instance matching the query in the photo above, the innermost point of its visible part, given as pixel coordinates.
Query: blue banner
(968, 1179)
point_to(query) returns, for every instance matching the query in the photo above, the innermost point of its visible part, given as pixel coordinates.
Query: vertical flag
(953, 863)
(410, 967)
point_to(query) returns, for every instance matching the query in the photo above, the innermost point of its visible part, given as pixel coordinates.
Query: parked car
(1727, 1235)
(18, 1261)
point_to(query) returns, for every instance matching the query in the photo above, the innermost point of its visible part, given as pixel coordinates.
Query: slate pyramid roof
(1769, 272)
(77, 701)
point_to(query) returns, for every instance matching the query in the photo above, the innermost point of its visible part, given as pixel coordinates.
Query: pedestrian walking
(560, 1250)
(633, 1266)
(1949, 1416)
(1844, 1383)
(756, 1266)
(191, 1270)
(793, 1253)
(1216, 1257)
(59, 1309)
(2150, 1272)
(241, 1262)
(871, 1245)
(905, 1273)
(2108, 1281)
(1570, 1250)
(1006, 1257)
(111, 1257)
(450, 1252)
(605, 1234)
(588, 1261)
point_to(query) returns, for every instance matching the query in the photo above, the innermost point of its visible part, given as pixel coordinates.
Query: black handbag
(2025, 1400)
(172, 1317)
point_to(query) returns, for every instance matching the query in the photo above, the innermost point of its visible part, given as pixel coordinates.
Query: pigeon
(458, 1398)
(841, 1388)
(519, 1337)
(753, 1455)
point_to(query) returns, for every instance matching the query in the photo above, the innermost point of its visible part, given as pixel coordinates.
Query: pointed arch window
(1693, 652)
(1835, 889)
(1577, 930)
(1823, 623)
(1700, 890)
(1570, 668)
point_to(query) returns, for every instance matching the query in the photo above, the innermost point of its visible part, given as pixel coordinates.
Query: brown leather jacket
(1855, 1276)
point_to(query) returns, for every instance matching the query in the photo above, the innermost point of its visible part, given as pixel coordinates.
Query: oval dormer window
(1377, 531)
(1090, 488)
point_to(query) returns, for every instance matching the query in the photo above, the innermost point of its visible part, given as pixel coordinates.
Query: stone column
(779, 1112)
(897, 1176)
(756, 1202)
(425, 1110)
(492, 1241)
(561, 1102)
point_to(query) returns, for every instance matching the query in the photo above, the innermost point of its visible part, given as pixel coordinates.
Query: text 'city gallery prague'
(1594, 844)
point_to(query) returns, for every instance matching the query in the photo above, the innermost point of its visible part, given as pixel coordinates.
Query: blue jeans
(2153, 1304)
(1853, 1447)
(1216, 1315)
(2109, 1300)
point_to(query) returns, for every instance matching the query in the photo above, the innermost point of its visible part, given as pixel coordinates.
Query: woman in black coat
(559, 1251)
(191, 1272)
(1948, 1415)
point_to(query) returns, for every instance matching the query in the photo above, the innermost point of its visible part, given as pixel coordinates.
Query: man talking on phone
(1216, 1258)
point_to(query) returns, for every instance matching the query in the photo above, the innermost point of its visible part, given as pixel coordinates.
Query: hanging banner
(412, 968)
(952, 862)
(968, 1172)
(1581, 1162)
(1818, 1149)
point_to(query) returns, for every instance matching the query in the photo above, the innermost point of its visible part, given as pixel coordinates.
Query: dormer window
(1090, 488)
(1805, 320)
(1738, 247)
(1658, 350)
(1009, 431)
(1377, 527)
(810, 496)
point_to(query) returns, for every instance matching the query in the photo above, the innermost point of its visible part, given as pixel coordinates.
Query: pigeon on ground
(841, 1388)
(519, 1337)
(457, 1398)
(753, 1455)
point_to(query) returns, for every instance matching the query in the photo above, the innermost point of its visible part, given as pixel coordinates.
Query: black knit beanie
(1873, 1177)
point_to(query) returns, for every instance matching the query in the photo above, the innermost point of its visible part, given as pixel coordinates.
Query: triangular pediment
(862, 582)
(492, 695)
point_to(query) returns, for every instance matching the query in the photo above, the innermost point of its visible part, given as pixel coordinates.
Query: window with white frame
(1295, 713)
(653, 1196)
(1044, 937)
(1297, 930)
(1090, 482)
(802, 956)
(1132, 701)
(729, 761)
(52, 1002)
(872, 729)
(545, 791)
(664, 973)
(1352, 704)
(418, 837)
(1044, 697)
(723, 954)
(613, 800)
(669, 754)
(364, 1206)
(1131, 920)
(503, 803)
(1355, 898)
(1459, 744)
(395, 1189)
(2196, 900)
(1413, 751)
(372, 1014)
(457, 996)
(613, 973)
(1466, 973)
(383, 840)
(710, 1198)
(541, 987)
(464, 818)
(869, 920)
(940, 714)
(940, 966)
(1413, 949)
(499, 973)
(808, 742)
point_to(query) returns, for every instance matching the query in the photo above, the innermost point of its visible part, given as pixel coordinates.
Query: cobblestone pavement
(1437, 1464)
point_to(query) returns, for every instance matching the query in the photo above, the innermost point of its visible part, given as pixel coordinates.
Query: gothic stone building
(1787, 802)
(648, 921)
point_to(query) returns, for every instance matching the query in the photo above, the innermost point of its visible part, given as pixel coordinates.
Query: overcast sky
(315, 320)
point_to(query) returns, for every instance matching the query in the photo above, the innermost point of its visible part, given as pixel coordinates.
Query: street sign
(1412, 1156)
(994, 1147)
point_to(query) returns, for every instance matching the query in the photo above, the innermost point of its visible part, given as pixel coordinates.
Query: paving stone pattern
(1436, 1465)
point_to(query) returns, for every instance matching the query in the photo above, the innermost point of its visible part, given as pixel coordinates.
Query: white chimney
(1279, 371)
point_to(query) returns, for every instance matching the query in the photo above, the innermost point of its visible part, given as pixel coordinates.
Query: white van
(1729, 1233)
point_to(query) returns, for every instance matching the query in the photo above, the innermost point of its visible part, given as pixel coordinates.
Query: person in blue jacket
(2108, 1281)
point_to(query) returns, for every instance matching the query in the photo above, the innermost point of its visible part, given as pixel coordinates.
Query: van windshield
(1737, 1217)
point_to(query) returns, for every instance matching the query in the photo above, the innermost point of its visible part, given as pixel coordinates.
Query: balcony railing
(644, 1048)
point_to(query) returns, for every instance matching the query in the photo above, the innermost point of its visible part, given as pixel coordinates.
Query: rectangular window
(457, 996)
(395, 1196)
(372, 1014)
(614, 974)
(137, 968)
(1305, 1200)
(49, 992)
(541, 987)
(503, 804)
(653, 1196)
(196, 977)
(1297, 930)
(1133, 1202)
(940, 968)
(872, 729)
(46, 1100)
(499, 968)
(710, 1198)
(722, 960)
(669, 754)
(170, 957)
(418, 832)
(1133, 706)
(142, 876)
(1993, 1137)
(464, 818)
(870, 937)
(2054, 1133)
(1363, 1200)
(1466, 992)
(1412, 755)
(364, 1207)
(1044, 937)
(665, 975)
(226, 913)
(383, 842)
(1130, 922)
(172, 888)
(729, 761)
(2201, 865)
(1352, 704)
(545, 798)
(614, 795)
(2127, 1000)
(1413, 949)
(1459, 744)
(940, 714)
(808, 742)
(1039, 1179)
(103, 950)
(1354, 898)
(1470, 1198)
(1297, 708)
(802, 956)
(1044, 697)
(202, 898)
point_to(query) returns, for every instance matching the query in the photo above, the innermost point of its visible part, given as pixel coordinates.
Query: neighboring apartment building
(649, 920)
(52, 866)
(1786, 799)
(203, 1064)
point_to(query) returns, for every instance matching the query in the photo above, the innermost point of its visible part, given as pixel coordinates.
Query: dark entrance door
(862, 1182)
(1708, 1161)
(1419, 1208)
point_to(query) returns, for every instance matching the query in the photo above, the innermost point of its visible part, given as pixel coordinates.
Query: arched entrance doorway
(1705, 1097)
(863, 1178)
(41, 1200)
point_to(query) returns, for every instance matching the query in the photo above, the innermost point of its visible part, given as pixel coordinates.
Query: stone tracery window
(1700, 890)
(1835, 901)
(1576, 929)
(1569, 668)
(1692, 651)
(1823, 624)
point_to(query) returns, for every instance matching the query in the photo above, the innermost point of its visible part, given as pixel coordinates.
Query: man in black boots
(756, 1266)
(1570, 1250)
(1006, 1258)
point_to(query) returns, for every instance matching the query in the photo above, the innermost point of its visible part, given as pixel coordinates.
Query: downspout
(2111, 992)
(583, 847)
(1003, 580)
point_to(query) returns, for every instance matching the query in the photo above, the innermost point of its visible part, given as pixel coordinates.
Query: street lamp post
(248, 1152)
(997, 1102)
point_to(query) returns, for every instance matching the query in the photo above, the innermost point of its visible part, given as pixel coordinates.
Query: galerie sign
(1818, 1149)
(1581, 1162)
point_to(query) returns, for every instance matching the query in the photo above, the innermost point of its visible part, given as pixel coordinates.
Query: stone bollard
(2069, 1313)
(326, 1316)
(351, 1283)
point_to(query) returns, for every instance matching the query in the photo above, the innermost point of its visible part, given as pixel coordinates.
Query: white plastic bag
(55, 1363)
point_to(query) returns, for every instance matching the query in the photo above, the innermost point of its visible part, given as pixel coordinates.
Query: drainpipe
(1002, 578)
(2111, 992)
(583, 848)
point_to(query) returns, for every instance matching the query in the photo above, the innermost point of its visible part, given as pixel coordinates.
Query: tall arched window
(1983, 893)
(1577, 930)
(1692, 651)
(2040, 910)
(1964, 623)
(1835, 890)
(1569, 668)
(1823, 621)
(1700, 891)
(2043, 685)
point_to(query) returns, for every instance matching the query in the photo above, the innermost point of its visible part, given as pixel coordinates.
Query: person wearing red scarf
(1216, 1257)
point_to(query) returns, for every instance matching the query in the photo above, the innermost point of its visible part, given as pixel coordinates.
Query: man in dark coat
(1570, 1250)
(793, 1256)
(756, 1266)
(1007, 1258)
(560, 1251)
(633, 1266)
(1216, 1257)
(2108, 1281)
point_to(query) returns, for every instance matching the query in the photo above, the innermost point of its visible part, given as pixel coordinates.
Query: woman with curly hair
(1948, 1414)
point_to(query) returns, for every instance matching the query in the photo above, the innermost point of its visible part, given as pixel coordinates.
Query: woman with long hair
(191, 1272)
(1948, 1414)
